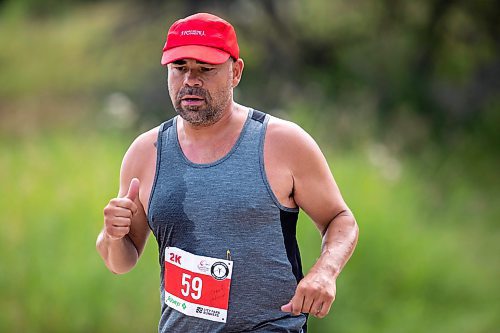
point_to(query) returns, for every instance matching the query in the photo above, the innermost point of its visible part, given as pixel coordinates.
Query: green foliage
(52, 279)
(433, 63)
(73, 54)
(421, 265)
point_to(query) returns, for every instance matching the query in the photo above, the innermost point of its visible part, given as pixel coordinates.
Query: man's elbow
(344, 222)
(121, 268)
(119, 271)
(355, 231)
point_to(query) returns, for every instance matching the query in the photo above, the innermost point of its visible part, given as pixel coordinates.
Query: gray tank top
(207, 209)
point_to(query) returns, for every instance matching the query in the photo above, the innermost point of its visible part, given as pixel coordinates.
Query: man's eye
(206, 69)
(180, 68)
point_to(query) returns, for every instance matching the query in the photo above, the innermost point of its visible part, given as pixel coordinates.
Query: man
(220, 186)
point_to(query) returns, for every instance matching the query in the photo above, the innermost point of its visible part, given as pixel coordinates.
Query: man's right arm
(123, 237)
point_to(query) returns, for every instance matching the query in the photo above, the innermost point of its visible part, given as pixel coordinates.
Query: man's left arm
(316, 192)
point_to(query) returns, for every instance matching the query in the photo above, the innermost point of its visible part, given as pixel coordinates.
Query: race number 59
(188, 284)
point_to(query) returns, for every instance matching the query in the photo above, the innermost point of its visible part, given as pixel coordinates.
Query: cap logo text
(193, 33)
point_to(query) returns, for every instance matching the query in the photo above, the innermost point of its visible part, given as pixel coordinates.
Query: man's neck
(231, 119)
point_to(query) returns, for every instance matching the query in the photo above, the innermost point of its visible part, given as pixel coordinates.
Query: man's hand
(119, 211)
(315, 294)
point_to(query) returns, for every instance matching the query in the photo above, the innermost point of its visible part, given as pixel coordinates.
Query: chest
(207, 153)
(239, 178)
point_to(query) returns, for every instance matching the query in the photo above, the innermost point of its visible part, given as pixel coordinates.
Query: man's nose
(191, 79)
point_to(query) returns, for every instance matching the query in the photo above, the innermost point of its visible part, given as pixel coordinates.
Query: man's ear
(238, 66)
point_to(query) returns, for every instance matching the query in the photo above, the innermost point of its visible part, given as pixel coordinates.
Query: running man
(220, 186)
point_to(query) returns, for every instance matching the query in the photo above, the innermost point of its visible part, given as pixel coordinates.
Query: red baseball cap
(203, 37)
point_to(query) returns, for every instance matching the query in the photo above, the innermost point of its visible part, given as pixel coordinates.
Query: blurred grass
(411, 272)
(52, 278)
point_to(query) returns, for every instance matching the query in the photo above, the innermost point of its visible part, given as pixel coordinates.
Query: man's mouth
(192, 100)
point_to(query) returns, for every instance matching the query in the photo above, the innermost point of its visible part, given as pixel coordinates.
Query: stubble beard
(203, 115)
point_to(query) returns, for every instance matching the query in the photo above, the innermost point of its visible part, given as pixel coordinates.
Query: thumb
(133, 189)
(287, 307)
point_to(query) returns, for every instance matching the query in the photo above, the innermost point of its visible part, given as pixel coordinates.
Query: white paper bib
(197, 286)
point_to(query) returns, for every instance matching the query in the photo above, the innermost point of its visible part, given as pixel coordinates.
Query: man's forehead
(189, 60)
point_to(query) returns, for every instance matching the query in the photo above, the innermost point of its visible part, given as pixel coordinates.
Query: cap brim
(201, 53)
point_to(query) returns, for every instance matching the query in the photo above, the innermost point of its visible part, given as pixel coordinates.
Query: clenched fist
(118, 212)
(314, 294)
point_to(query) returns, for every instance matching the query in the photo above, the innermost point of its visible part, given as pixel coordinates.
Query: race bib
(197, 286)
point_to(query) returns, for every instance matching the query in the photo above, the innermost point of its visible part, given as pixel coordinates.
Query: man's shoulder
(146, 140)
(289, 141)
(141, 153)
(284, 130)
(142, 148)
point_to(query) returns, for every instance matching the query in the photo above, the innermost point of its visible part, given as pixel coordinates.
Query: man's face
(200, 92)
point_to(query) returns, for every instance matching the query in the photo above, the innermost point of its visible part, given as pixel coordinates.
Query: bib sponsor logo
(219, 270)
(203, 266)
(173, 301)
(208, 312)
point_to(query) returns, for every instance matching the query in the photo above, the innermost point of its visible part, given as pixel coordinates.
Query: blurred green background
(403, 97)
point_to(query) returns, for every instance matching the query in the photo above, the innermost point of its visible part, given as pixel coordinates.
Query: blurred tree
(437, 62)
